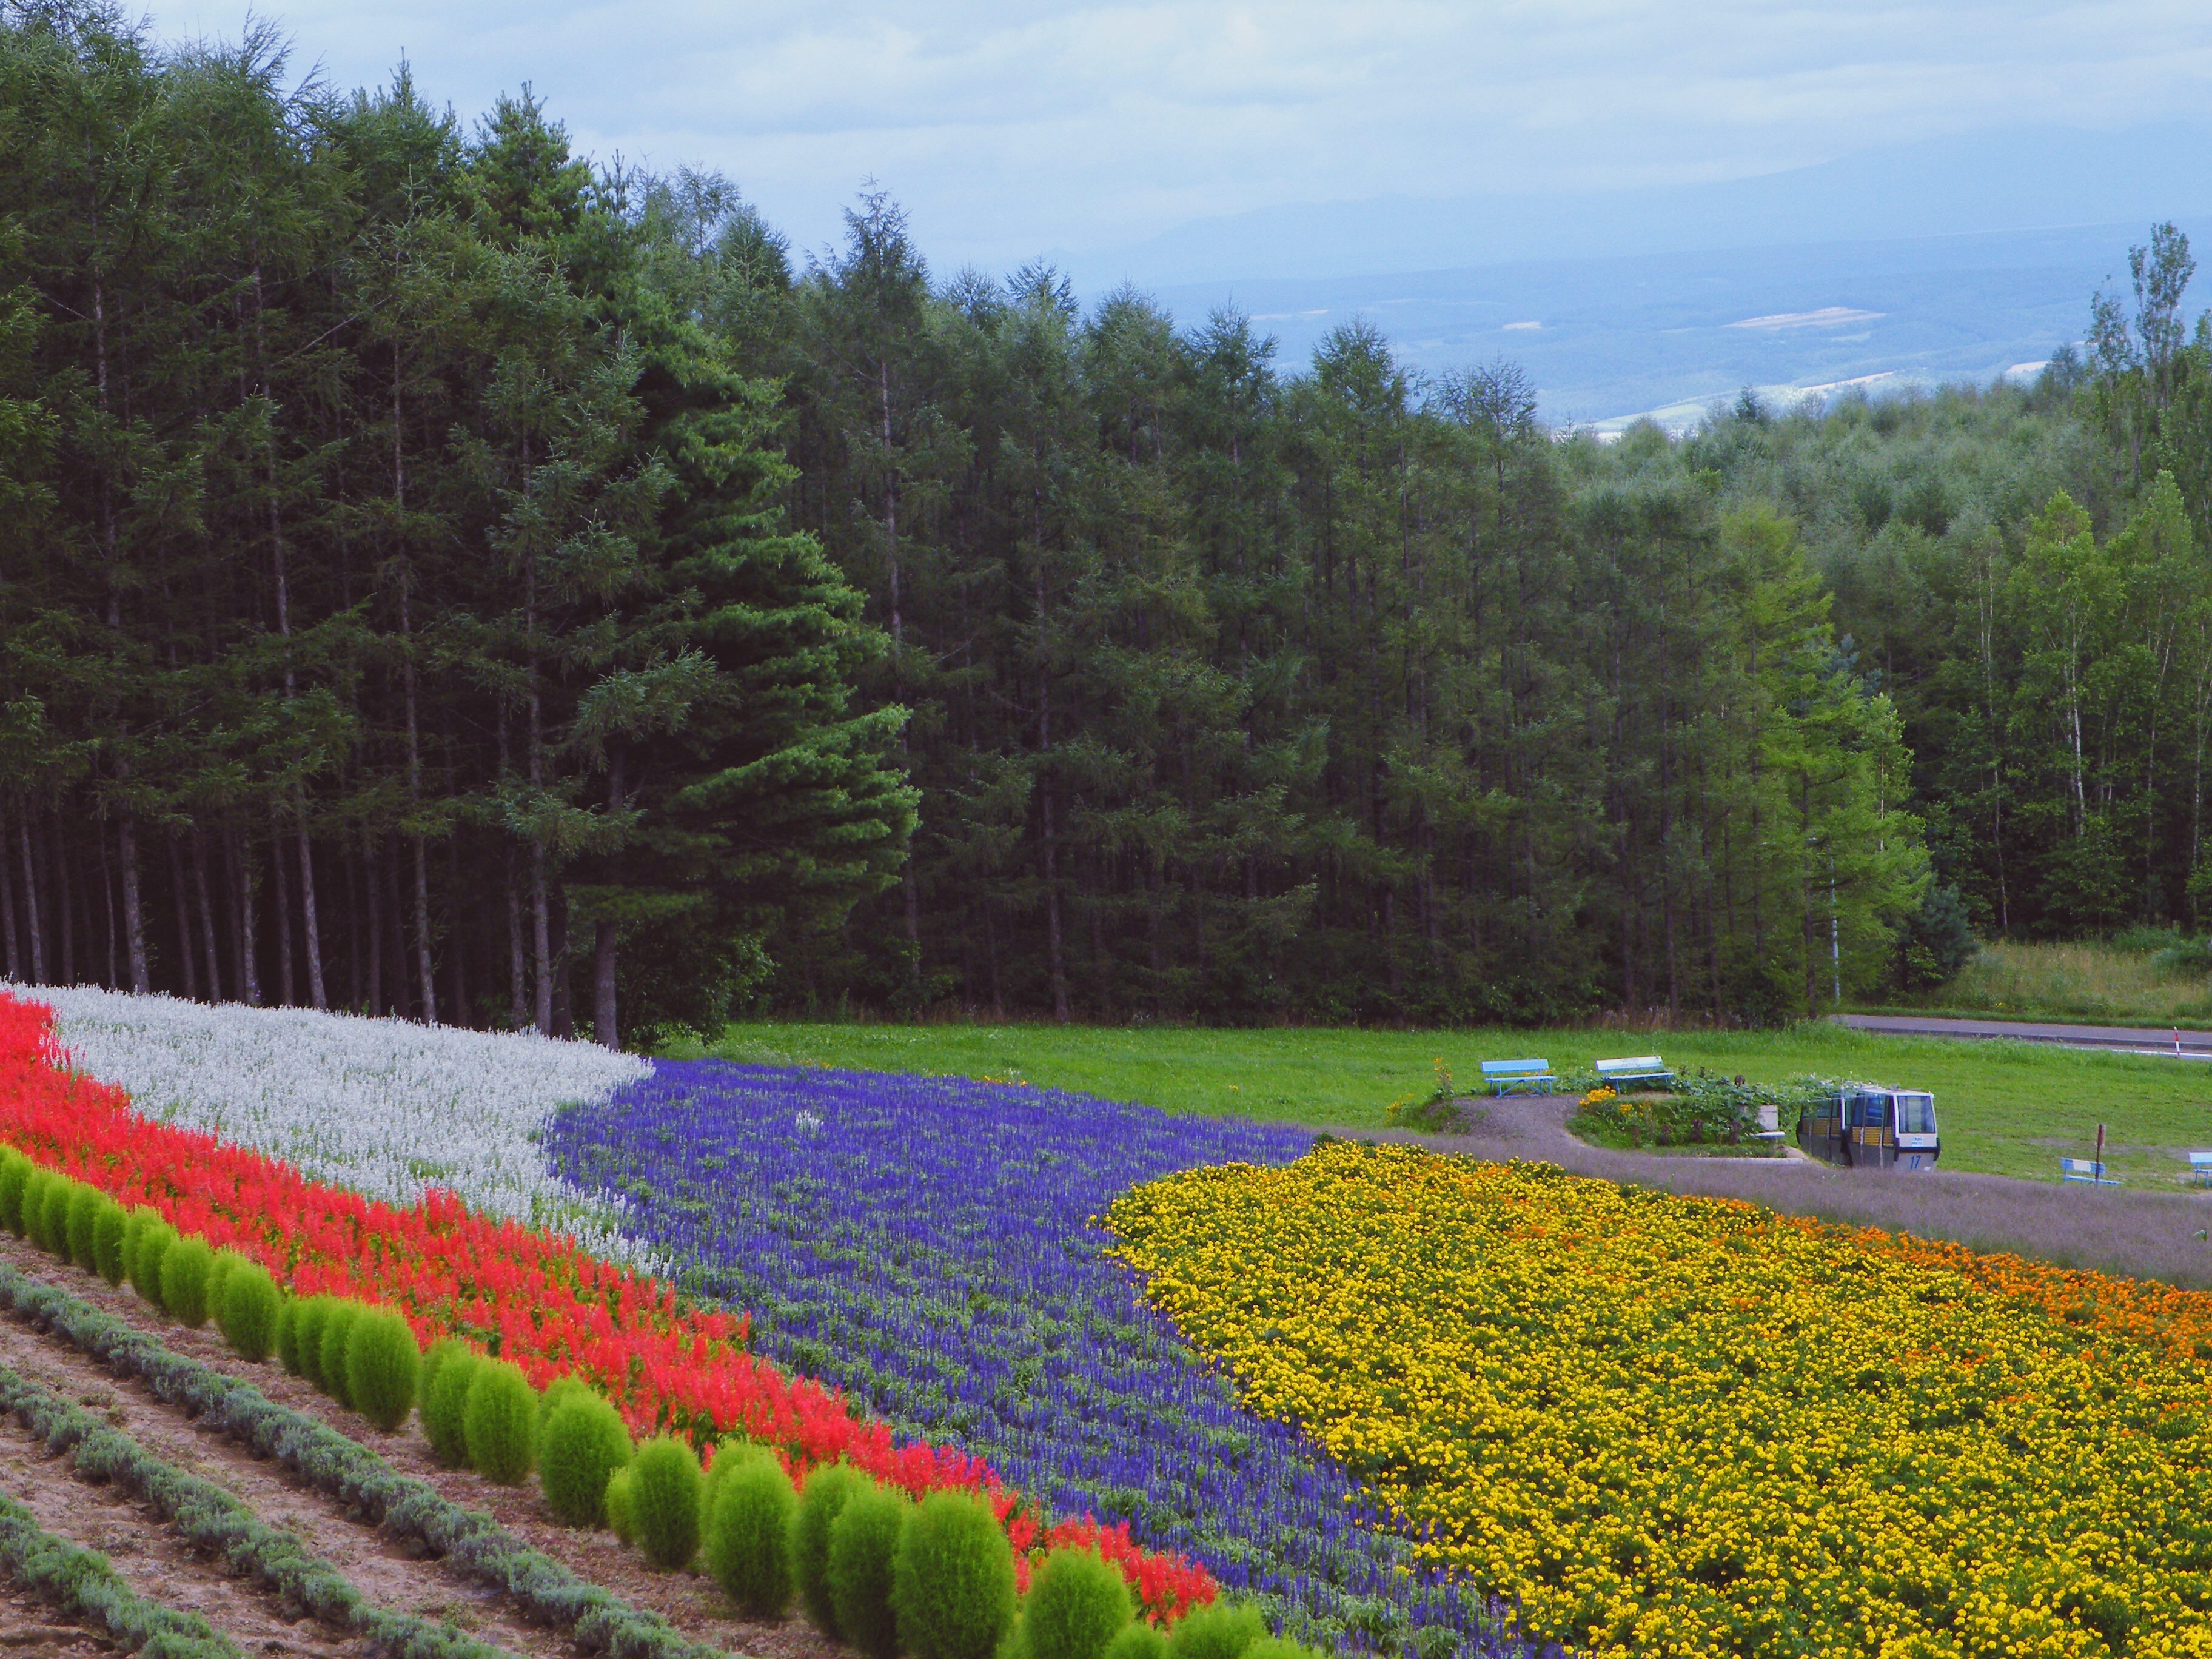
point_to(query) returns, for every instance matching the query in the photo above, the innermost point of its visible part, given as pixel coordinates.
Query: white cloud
(1009, 128)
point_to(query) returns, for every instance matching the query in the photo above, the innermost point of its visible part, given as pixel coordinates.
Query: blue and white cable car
(1864, 1127)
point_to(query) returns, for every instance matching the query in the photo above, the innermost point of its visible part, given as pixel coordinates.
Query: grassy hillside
(2007, 1109)
(2090, 981)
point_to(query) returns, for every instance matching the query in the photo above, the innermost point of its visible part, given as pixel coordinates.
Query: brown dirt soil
(689, 1601)
(31, 1628)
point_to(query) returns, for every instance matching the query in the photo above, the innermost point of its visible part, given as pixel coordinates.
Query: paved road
(2195, 1045)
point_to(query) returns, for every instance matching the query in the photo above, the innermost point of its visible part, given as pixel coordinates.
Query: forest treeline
(440, 576)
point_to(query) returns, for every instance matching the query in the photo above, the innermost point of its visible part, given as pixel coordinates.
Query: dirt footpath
(2140, 1235)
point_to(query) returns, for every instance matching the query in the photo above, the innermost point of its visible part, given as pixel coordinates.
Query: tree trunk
(564, 1023)
(185, 963)
(207, 917)
(7, 910)
(373, 879)
(108, 974)
(286, 987)
(134, 917)
(31, 899)
(518, 1014)
(541, 937)
(422, 953)
(65, 903)
(239, 853)
(310, 931)
(603, 986)
(457, 955)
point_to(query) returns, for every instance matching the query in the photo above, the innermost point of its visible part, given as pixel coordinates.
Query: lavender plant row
(926, 1245)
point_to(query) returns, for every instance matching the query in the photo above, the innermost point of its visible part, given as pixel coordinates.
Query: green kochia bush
(1277, 1647)
(827, 1489)
(14, 1170)
(1140, 1640)
(953, 1581)
(155, 1239)
(749, 1526)
(78, 1219)
(307, 1320)
(433, 1359)
(108, 1229)
(246, 1311)
(665, 1485)
(499, 1423)
(331, 1348)
(186, 1266)
(381, 1362)
(621, 1513)
(556, 1393)
(445, 1407)
(1077, 1603)
(1223, 1630)
(52, 1233)
(40, 1182)
(582, 1446)
(863, 1543)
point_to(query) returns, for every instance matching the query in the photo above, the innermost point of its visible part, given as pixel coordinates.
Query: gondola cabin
(1862, 1127)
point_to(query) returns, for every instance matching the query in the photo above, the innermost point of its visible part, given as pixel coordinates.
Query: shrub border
(598, 1620)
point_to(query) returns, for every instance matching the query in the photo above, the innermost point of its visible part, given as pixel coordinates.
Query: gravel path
(2140, 1235)
(2144, 1039)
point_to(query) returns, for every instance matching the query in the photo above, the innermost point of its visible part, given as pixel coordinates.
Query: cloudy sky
(1011, 129)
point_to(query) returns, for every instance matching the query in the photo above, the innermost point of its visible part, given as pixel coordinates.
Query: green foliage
(1937, 940)
(14, 1170)
(499, 1422)
(38, 1193)
(186, 1267)
(1223, 1630)
(828, 1486)
(620, 1510)
(434, 1358)
(333, 1375)
(748, 1545)
(382, 1363)
(952, 1580)
(444, 1404)
(1277, 1647)
(861, 1568)
(581, 1445)
(665, 1490)
(1077, 1603)
(247, 1312)
(1138, 1640)
(308, 1318)
(108, 1228)
(155, 1239)
(79, 1217)
(554, 1393)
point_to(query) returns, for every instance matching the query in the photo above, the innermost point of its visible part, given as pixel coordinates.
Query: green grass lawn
(2089, 980)
(2006, 1108)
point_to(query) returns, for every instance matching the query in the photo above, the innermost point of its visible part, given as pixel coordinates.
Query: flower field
(1671, 1425)
(535, 1299)
(926, 1244)
(368, 1105)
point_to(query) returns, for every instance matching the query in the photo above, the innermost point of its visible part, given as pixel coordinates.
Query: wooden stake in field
(2100, 1152)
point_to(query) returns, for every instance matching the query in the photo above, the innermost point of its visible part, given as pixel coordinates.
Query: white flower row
(382, 1106)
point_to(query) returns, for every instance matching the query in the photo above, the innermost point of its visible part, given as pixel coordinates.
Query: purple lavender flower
(925, 1245)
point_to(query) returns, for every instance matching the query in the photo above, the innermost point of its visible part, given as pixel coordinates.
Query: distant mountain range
(1962, 258)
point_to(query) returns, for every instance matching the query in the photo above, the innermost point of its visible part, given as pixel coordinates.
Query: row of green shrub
(870, 1567)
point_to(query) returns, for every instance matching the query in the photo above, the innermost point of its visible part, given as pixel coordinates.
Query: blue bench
(1643, 1069)
(1504, 1076)
(2085, 1170)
